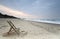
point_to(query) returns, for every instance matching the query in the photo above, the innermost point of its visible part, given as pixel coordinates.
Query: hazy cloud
(16, 13)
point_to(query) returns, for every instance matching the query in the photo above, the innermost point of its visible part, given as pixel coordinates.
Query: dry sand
(32, 30)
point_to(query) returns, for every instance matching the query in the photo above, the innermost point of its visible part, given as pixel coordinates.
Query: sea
(53, 21)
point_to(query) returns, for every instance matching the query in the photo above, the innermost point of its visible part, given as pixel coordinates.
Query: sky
(31, 8)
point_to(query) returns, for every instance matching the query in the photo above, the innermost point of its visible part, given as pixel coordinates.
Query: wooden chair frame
(12, 27)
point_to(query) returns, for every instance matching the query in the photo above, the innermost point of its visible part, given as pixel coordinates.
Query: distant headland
(6, 16)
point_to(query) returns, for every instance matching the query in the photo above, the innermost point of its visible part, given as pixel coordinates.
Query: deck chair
(12, 27)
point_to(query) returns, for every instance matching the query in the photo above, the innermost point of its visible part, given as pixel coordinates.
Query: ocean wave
(45, 21)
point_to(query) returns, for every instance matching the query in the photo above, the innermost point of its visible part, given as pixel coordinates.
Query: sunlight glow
(15, 13)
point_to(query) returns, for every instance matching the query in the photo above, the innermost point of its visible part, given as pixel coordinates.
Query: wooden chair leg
(10, 30)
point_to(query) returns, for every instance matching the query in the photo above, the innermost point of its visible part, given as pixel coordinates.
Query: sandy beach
(32, 30)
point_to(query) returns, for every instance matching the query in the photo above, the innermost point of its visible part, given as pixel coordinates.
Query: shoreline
(47, 22)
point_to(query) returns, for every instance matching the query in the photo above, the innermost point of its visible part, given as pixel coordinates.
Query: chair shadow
(21, 34)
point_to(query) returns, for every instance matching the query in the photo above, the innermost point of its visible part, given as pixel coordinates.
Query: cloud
(15, 13)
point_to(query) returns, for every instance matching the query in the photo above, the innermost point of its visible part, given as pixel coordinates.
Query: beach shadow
(12, 34)
(8, 35)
